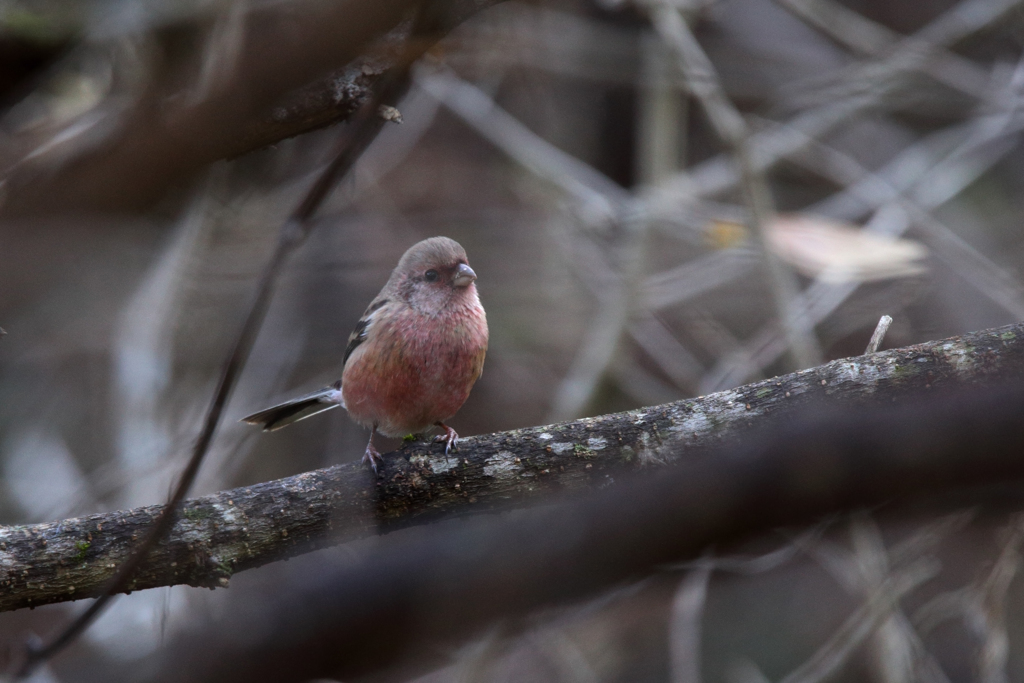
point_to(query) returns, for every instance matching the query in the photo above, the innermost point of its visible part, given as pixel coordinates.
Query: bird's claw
(372, 456)
(450, 438)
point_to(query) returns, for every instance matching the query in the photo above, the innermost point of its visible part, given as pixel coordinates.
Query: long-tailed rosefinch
(414, 355)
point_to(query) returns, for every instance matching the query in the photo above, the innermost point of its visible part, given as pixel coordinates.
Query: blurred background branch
(240, 94)
(704, 83)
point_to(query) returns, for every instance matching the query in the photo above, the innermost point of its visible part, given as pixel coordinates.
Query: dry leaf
(839, 252)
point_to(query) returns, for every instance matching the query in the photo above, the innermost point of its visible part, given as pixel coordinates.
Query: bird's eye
(431, 275)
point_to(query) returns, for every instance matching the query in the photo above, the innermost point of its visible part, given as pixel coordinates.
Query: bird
(412, 358)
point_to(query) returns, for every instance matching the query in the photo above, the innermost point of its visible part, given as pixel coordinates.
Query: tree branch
(400, 607)
(335, 98)
(289, 78)
(326, 101)
(218, 535)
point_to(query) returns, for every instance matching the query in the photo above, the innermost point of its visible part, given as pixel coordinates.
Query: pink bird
(414, 355)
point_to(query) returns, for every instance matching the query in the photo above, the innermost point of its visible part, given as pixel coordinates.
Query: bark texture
(301, 66)
(218, 535)
(405, 607)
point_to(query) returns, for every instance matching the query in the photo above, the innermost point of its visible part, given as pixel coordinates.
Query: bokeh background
(661, 200)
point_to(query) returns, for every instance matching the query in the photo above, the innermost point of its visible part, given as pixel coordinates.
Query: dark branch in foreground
(405, 606)
(219, 535)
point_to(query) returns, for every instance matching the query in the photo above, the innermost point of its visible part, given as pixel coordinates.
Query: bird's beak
(464, 276)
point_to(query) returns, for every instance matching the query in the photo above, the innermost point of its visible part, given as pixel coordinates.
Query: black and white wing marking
(358, 335)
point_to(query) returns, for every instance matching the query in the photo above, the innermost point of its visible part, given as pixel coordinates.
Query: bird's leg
(372, 455)
(450, 437)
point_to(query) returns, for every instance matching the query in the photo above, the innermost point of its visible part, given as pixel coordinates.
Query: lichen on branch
(218, 535)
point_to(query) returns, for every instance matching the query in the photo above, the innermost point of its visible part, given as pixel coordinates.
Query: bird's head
(434, 275)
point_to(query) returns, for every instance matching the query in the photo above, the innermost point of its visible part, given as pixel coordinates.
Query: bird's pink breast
(415, 370)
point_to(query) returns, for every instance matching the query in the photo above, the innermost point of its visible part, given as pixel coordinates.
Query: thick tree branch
(335, 98)
(289, 77)
(326, 101)
(401, 606)
(218, 535)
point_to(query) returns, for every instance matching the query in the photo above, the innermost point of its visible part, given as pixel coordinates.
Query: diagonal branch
(289, 76)
(411, 600)
(716, 175)
(703, 81)
(216, 536)
(873, 40)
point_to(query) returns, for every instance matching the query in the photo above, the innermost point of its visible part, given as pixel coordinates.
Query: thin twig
(916, 196)
(895, 644)
(995, 649)
(752, 565)
(861, 624)
(684, 637)
(872, 39)
(901, 654)
(612, 269)
(697, 276)
(982, 606)
(892, 188)
(703, 82)
(718, 175)
(879, 334)
(616, 308)
(658, 342)
(597, 194)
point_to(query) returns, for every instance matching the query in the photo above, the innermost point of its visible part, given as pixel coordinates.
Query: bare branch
(879, 334)
(995, 650)
(873, 39)
(768, 148)
(216, 536)
(265, 98)
(939, 157)
(862, 624)
(703, 81)
(410, 601)
(686, 624)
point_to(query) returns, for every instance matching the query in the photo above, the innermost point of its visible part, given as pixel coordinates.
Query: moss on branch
(218, 535)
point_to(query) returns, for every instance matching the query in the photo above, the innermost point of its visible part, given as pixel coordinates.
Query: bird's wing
(362, 327)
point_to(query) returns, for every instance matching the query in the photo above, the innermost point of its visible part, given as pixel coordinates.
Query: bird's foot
(450, 438)
(372, 456)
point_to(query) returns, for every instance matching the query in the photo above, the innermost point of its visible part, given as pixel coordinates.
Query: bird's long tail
(283, 414)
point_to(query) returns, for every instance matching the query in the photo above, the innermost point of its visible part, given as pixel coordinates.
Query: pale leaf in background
(839, 252)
